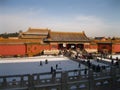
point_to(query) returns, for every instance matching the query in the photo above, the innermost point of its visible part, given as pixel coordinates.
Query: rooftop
(68, 36)
(35, 31)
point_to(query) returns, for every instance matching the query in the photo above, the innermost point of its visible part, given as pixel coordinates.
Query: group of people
(41, 63)
(52, 69)
(115, 63)
(95, 67)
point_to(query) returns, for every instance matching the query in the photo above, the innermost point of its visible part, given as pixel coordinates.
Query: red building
(67, 40)
(109, 47)
(35, 41)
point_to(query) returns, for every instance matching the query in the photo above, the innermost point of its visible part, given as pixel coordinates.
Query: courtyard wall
(12, 49)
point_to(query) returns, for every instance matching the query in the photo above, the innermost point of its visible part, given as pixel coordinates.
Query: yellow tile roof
(68, 36)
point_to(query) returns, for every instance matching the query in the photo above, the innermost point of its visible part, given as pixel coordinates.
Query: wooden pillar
(76, 46)
(67, 46)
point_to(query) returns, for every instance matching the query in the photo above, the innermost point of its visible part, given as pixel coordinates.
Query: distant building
(109, 46)
(100, 38)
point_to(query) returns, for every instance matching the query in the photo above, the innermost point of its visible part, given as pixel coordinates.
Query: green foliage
(6, 35)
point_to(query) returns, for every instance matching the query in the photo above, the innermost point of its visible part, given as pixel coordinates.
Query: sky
(94, 17)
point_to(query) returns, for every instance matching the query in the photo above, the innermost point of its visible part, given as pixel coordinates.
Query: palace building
(35, 41)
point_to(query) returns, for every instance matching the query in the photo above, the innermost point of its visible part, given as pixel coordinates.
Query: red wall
(116, 48)
(101, 47)
(91, 46)
(45, 47)
(22, 49)
(54, 46)
(34, 49)
(12, 49)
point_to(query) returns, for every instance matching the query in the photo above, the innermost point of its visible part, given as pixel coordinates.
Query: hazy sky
(95, 17)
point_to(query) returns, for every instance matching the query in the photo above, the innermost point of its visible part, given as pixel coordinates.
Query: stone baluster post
(53, 76)
(30, 82)
(79, 75)
(22, 81)
(38, 79)
(113, 78)
(64, 79)
(4, 82)
(91, 80)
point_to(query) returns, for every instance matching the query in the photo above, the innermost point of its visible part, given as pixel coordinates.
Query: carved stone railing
(66, 80)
